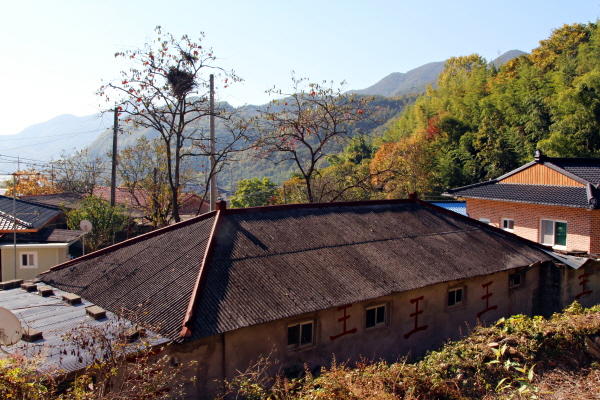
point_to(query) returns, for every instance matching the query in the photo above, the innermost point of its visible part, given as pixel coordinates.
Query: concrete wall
(486, 299)
(47, 256)
(583, 225)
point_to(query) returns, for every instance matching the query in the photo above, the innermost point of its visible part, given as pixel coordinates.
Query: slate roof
(54, 318)
(583, 170)
(233, 268)
(30, 216)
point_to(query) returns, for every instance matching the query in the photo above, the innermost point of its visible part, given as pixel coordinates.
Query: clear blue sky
(54, 53)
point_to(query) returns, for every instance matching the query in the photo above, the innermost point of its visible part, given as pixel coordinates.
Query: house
(42, 239)
(553, 201)
(300, 282)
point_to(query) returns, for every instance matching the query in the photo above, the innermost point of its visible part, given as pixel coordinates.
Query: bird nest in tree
(182, 82)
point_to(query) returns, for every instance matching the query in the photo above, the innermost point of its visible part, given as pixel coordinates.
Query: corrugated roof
(274, 262)
(30, 216)
(55, 318)
(152, 275)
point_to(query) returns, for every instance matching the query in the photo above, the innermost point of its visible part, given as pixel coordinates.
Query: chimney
(413, 196)
(221, 205)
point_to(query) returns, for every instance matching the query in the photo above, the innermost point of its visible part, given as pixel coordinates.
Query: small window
(28, 260)
(553, 233)
(300, 335)
(508, 224)
(455, 297)
(376, 316)
(484, 220)
(515, 280)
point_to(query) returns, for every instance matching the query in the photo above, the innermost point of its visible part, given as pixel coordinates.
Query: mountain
(48, 139)
(416, 80)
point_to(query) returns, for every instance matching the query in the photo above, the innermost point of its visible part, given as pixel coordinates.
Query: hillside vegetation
(519, 357)
(480, 121)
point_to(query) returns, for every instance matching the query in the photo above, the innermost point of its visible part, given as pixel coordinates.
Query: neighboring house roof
(54, 318)
(585, 172)
(30, 216)
(49, 235)
(233, 268)
(66, 199)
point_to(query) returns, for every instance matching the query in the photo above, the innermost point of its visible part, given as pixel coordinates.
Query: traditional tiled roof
(583, 170)
(233, 268)
(30, 216)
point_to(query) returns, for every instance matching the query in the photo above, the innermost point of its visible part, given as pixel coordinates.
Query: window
(484, 220)
(455, 297)
(28, 260)
(553, 233)
(300, 335)
(376, 316)
(515, 280)
(508, 224)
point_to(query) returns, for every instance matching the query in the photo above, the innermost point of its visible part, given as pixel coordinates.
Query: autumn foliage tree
(30, 182)
(167, 90)
(304, 126)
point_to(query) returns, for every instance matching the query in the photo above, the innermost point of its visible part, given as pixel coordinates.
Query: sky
(56, 53)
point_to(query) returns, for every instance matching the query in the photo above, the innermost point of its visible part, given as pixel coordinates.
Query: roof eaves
(186, 330)
(516, 171)
(564, 172)
(523, 201)
(450, 192)
(128, 242)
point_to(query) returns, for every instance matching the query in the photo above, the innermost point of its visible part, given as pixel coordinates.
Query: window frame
(554, 222)
(485, 220)
(455, 303)
(385, 307)
(503, 220)
(298, 345)
(28, 254)
(511, 284)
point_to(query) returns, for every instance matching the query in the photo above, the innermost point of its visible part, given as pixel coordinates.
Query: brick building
(552, 201)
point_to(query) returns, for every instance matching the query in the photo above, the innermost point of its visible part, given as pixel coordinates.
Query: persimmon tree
(30, 182)
(167, 90)
(143, 173)
(304, 126)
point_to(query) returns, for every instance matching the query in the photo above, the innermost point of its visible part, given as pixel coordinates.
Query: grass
(519, 357)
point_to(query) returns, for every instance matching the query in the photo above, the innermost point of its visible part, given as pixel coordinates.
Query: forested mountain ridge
(480, 122)
(416, 80)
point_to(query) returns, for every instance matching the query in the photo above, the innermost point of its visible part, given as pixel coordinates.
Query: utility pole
(113, 177)
(213, 167)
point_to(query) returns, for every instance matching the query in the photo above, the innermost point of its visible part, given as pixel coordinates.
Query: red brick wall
(583, 226)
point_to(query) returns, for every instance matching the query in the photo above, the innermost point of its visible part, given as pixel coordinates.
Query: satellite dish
(85, 225)
(10, 328)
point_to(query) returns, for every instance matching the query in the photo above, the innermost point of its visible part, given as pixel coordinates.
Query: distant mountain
(416, 80)
(46, 140)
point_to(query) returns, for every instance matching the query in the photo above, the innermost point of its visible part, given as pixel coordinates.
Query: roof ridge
(33, 203)
(131, 241)
(14, 218)
(186, 329)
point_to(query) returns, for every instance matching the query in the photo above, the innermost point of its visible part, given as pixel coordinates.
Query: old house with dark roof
(379, 279)
(42, 240)
(553, 201)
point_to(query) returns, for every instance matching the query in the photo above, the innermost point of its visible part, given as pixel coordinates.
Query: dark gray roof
(274, 262)
(583, 170)
(68, 200)
(152, 275)
(564, 196)
(49, 235)
(30, 216)
(54, 318)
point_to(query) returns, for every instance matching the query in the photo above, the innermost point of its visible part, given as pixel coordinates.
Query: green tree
(107, 221)
(254, 192)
